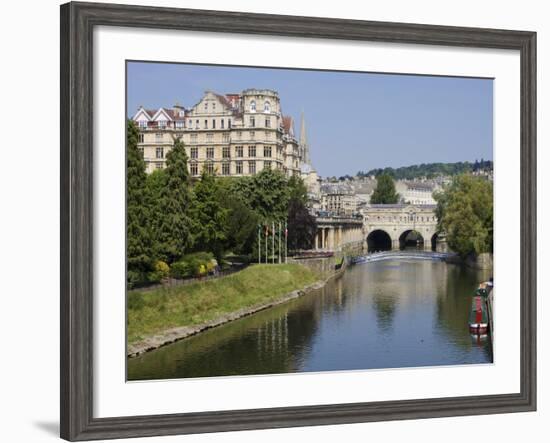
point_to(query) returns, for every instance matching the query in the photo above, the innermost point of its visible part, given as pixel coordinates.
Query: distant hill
(430, 170)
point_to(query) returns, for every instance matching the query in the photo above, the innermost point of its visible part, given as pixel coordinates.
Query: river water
(388, 314)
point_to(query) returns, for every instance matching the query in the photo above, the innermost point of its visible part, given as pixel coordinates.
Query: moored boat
(478, 316)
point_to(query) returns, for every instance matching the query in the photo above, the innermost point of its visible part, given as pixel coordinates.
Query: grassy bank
(161, 309)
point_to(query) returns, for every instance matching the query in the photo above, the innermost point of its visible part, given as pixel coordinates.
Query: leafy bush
(194, 265)
(161, 271)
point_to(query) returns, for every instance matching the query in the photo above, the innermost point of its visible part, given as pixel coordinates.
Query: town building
(417, 192)
(229, 135)
(338, 199)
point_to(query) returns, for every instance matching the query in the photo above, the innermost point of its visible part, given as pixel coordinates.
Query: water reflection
(376, 315)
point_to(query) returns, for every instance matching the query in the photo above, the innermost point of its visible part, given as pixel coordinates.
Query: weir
(403, 255)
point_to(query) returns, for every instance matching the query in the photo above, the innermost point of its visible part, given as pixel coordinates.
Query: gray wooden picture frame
(77, 24)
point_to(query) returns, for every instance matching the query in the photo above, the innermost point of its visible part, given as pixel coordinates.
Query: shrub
(181, 269)
(161, 271)
(193, 265)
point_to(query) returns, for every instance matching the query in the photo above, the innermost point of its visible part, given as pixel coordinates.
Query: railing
(403, 255)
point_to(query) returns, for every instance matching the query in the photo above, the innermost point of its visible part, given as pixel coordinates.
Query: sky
(355, 120)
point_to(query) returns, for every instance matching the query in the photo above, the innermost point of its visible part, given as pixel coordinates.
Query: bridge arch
(379, 240)
(433, 241)
(411, 239)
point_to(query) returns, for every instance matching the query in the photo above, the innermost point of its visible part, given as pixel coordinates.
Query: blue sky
(355, 121)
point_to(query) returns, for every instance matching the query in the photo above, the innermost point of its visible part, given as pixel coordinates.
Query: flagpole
(286, 241)
(273, 242)
(279, 242)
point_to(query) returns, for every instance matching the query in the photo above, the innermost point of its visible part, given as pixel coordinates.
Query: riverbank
(162, 316)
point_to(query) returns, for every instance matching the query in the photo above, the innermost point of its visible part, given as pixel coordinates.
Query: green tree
(209, 216)
(465, 214)
(385, 191)
(267, 194)
(302, 226)
(172, 224)
(139, 248)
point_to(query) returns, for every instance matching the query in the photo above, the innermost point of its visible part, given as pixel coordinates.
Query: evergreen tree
(172, 224)
(302, 226)
(138, 235)
(209, 216)
(385, 191)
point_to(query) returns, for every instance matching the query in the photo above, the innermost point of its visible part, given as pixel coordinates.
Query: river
(388, 314)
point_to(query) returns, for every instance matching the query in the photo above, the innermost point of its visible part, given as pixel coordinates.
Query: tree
(302, 226)
(209, 216)
(297, 189)
(267, 194)
(465, 213)
(172, 225)
(139, 248)
(385, 191)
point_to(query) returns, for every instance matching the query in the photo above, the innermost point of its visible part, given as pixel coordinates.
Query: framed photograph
(272, 221)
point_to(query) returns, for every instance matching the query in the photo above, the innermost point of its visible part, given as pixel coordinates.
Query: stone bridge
(380, 228)
(393, 227)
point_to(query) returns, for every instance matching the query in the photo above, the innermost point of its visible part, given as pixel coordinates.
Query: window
(252, 151)
(225, 137)
(213, 124)
(225, 168)
(209, 137)
(210, 168)
(239, 134)
(213, 106)
(267, 107)
(267, 165)
(159, 165)
(140, 138)
(267, 135)
(190, 124)
(252, 135)
(268, 122)
(158, 136)
(229, 123)
(159, 153)
(194, 167)
(226, 153)
(140, 149)
(267, 151)
(206, 124)
(239, 167)
(197, 124)
(222, 123)
(252, 167)
(179, 124)
(162, 124)
(194, 152)
(252, 106)
(210, 152)
(252, 122)
(239, 151)
(143, 124)
(193, 138)
(206, 106)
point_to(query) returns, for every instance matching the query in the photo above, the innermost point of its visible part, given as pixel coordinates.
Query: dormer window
(143, 124)
(267, 107)
(252, 106)
(162, 124)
